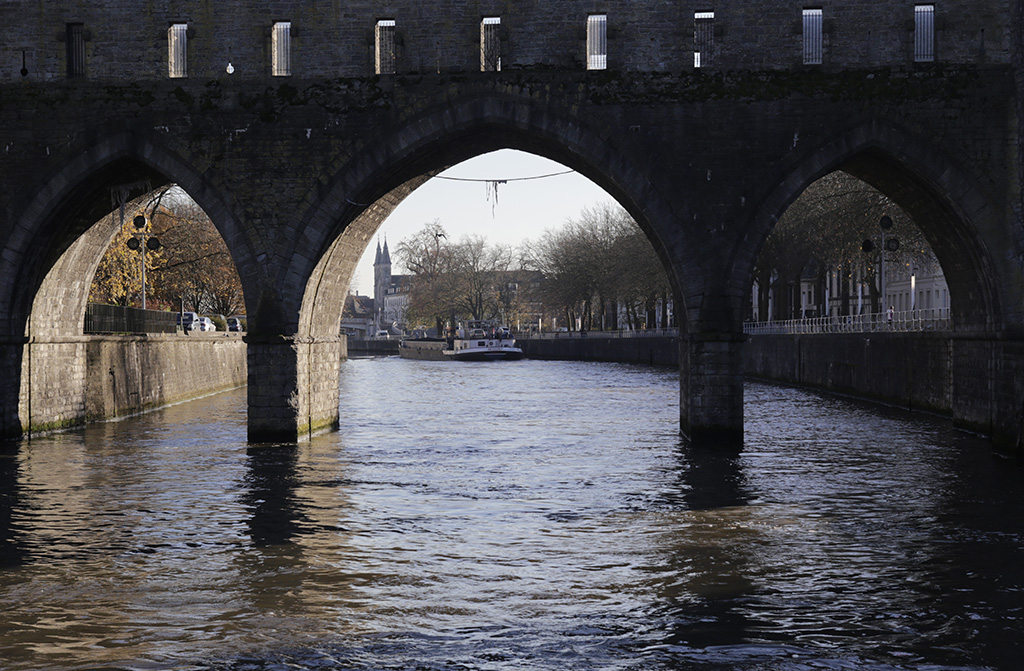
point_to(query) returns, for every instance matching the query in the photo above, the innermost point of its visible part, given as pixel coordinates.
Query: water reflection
(11, 551)
(706, 543)
(711, 478)
(535, 516)
(269, 494)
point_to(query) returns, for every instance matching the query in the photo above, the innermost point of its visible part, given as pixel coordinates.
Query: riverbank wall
(372, 347)
(949, 375)
(910, 371)
(77, 379)
(129, 374)
(652, 350)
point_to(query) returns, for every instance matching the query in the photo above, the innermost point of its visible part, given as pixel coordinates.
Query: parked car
(187, 319)
(235, 324)
(204, 324)
(381, 335)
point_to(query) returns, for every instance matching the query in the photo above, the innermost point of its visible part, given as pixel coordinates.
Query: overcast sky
(524, 209)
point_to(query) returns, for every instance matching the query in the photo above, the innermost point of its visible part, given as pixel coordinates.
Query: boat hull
(424, 350)
(436, 350)
(503, 354)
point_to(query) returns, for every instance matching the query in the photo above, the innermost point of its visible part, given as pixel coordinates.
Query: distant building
(918, 285)
(358, 318)
(390, 293)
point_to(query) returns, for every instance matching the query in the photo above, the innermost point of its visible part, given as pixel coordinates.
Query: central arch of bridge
(362, 193)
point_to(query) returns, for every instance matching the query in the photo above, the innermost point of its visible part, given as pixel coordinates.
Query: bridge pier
(711, 388)
(293, 386)
(11, 350)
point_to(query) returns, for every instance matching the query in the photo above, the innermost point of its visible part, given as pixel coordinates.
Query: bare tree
(465, 279)
(598, 265)
(823, 231)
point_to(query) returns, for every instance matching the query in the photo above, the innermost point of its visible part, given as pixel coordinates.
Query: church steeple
(381, 278)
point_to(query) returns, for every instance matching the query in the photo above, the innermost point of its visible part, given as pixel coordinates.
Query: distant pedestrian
(891, 312)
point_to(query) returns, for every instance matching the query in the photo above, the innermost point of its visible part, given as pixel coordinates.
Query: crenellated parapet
(129, 41)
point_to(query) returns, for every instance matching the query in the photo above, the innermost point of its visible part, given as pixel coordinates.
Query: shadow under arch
(366, 190)
(958, 221)
(58, 241)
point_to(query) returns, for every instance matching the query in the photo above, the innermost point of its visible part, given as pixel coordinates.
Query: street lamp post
(140, 241)
(891, 244)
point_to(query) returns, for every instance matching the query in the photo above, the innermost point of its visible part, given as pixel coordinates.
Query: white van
(381, 335)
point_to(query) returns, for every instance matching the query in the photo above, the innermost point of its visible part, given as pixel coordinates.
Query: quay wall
(911, 371)
(128, 374)
(949, 374)
(68, 381)
(944, 374)
(652, 350)
(373, 347)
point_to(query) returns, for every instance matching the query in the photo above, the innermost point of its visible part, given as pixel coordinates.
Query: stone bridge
(299, 128)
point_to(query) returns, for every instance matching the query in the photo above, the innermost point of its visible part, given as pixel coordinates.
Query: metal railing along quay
(625, 333)
(932, 319)
(100, 318)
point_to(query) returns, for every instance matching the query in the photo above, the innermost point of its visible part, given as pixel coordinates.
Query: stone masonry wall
(909, 371)
(952, 376)
(53, 379)
(128, 40)
(293, 386)
(68, 381)
(128, 374)
(657, 351)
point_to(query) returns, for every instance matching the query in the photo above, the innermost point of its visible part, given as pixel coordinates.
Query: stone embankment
(68, 381)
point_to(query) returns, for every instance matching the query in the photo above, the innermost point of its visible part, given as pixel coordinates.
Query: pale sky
(524, 209)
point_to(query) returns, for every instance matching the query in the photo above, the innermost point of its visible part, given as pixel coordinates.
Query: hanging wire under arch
(491, 185)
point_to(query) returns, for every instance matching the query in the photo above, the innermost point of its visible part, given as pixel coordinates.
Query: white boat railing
(932, 319)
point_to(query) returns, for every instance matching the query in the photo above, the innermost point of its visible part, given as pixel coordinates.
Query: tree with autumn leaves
(191, 270)
(118, 278)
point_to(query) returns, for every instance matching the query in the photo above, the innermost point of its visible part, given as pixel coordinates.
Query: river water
(528, 515)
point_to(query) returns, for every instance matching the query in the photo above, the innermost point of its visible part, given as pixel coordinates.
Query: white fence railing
(933, 319)
(642, 333)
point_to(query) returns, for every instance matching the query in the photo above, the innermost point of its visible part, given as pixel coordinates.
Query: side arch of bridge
(962, 224)
(61, 235)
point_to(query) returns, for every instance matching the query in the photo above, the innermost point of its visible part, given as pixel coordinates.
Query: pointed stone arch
(56, 243)
(73, 199)
(952, 210)
(344, 214)
(363, 191)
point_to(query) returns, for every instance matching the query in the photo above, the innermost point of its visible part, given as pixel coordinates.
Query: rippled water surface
(529, 515)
